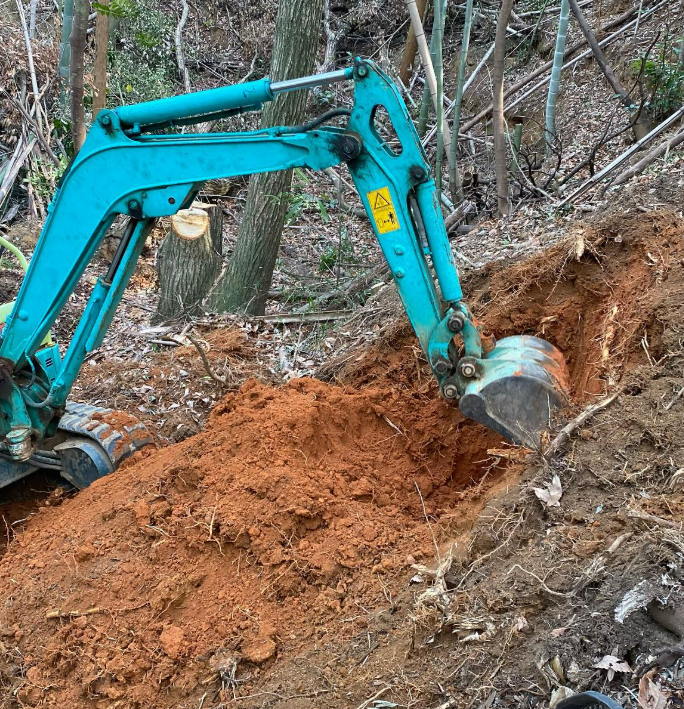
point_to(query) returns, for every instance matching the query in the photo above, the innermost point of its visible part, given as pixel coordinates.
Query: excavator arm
(127, 167)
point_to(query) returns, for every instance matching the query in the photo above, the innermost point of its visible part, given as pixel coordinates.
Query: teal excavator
(134, 163)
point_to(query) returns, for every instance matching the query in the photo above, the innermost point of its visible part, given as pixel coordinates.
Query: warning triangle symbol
(380, 201)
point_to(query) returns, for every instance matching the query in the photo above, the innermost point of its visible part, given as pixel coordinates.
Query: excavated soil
(269, 557)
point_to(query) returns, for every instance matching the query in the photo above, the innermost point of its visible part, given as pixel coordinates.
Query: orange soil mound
(280, 521)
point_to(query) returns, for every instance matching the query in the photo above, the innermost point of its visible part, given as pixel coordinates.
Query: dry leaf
(553, 493)
(612, 664)
(520, 624)
(650, 694)
(559, 694)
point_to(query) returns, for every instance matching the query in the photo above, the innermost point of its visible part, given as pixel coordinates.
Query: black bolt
(467, 368)
(350, 148)
(442, 366)
(456, 322)
(418, 173)
(450, 391)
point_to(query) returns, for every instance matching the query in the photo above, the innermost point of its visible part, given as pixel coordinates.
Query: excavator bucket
(523, 379)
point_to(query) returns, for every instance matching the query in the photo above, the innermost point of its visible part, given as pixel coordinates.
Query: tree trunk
(78, 41)
(244, 285)
(598, 54)
(189, 260)
(408, 58)
(180, 57)
(100, 68)
(498, 122)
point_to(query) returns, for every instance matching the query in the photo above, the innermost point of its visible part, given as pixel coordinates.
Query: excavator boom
(126, 167)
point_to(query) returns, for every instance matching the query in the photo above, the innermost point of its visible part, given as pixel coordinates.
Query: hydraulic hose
(14, 250)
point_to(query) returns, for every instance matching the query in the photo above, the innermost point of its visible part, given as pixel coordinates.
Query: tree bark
(501, 164)
(100, 68)
(77, 42)
(244, 285)
(408, 58)
(189, 261)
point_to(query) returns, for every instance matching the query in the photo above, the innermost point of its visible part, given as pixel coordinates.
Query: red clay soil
(269, 532)
(252, 538)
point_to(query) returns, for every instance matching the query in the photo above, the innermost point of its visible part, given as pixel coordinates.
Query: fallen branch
(567, 430)
(639, 167)
(50, 615)
(598, 54)
(638, 514)
(39, 134)
(356, 285)
(621, 158)
(21, 152)
(205, 361)
(305, 317)
(74, 614)
(466, 207)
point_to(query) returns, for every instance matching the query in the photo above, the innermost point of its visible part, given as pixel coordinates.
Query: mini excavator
(134, 164)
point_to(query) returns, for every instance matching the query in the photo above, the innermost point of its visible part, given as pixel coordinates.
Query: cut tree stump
(189, 260)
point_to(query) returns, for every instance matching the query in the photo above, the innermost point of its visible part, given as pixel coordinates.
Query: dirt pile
(242, 542)
(271, 554)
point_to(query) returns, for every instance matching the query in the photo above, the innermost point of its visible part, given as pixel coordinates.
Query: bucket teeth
(523, 380)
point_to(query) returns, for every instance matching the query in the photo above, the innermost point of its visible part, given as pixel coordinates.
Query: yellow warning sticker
(383, 210)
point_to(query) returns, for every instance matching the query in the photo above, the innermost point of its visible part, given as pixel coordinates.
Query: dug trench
(273, 556)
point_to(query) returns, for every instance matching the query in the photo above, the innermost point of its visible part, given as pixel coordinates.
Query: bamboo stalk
(501, 165)
(440, 6)
(29, 53)
(466, 86)
(624, 156)
(554, 82)
(424, 52)
(454, 173)
(569, 52)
